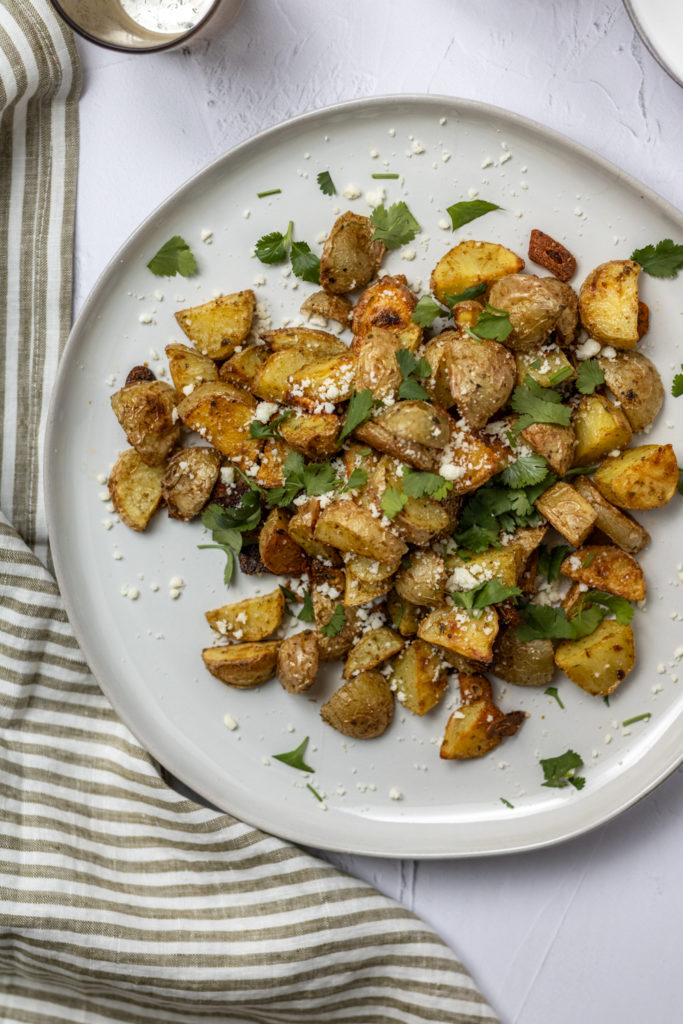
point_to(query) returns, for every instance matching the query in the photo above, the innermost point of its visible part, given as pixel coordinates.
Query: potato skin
(147, 413)
(636, 382)
(608, 304)
(242, 665)
(568, 321)
(374, 647)
(279, 552)
(481, 376)
(604, 567)
(567, 511)
(523, 664)
(376, 366)
(620, 528)
(387, 303)
(601, 661)
(362, 708)
(424, 580)
(188, 367)
(297, 662)
(532, 308)
(350, 259)
(189, 480)
(331, 307)
(472, 262)
(135, 489)
(640, 478)
(555, 443)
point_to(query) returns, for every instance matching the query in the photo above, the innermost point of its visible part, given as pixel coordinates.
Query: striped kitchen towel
(121, 900)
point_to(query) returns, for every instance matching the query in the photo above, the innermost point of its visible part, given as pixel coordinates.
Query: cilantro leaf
(357, 479)
(305, 263)
(525, 470)
(426, 311)
(473, 292)
(295, 758)
(174, 257)
(551, 691)
(560, 376)
(325, 184)
(421, 484)
(412, 368)
(307, 614)
(494, 508)
(541, 622)
(677, 385)
(580, 470)
(463, 213)
(492, 325)
(392, 502)
(559, 772)
(394, 226)
(589, 376)
(273, 248)
(622, 609)
(314, 478)
(550, 560)
(259, 430)
(357, 411)
(336, 623)
(661, 260)
(227, 526)
(410, 391)
(487, 593)
(537, 404)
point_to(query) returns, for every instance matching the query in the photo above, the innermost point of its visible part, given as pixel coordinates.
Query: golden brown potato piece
(636, 383)
(350, 259)
(601, 661)
(374, 647)
(317, 344)
(640, 478)
(245, 365)
(217, 327)
(222, 419)
(387, 303)
(600, 427)
(135, 489)
(437, 385)
(348, 527)
(279, 552)
(417, 421)
(619, 527)
(188, 367)
(423, 580)
(504, 564)
(147, 413)
(608, 304)
(481, 376)
(251, 619)
(376, 366)
(272, 380)
(297, 662)
(375, 433)
(419, 677)
(555, 443)
(301, 529)
(405, 616)
(472, 263)
(189, 480)
(532, 308)
(568, 320)
(552, 255)
(242, 665)
(525, 541)
(466, 313)
(567, 511)
(322, 380)
(359, 591)
(541, 364)
(369, 569)
(313, 434)
(530, 663)
(604, 567)
(271, 470)
(421, 520)
(643, 319)
(328, 306)
(362, 708)
(455, 629)
(478, 725)
(328, 595)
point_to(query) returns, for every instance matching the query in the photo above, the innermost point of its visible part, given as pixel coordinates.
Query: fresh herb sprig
(336, 623)
(463, 213)
(295, 758)
(314, 478)
(277, 247)
(358, 410)
(494, 509)
(325, 184)
(492, 325)
(537, 404)
(559, 772)
(589, 376)
(174, 257)
(677, 384)
(260, 431)
(664, 259)
(487, 593)
(412, 370)
(227, 526)
(395, 226)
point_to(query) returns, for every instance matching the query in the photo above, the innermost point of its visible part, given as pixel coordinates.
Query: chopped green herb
(559, 772)
(463, 213)
(606, 699)
(392, 502)
(174, 257)
(495, 509)
(314, 792)
(426, 311)
(506, 802)
(559, 376)
(412, 368)
(227, 526)
(336, 623)
(270, 192)
(487, 593)
(357, 411)
(378, 176)
(637, 718)
(550, 560)
(307, 614)
(473, 292)
(541, 622)
(315, 478)
(680, 481)
(305, 264)
(537, 404)
(357, 479)
(535, 365)
(394, 226)
(580, 470)
(421, 484)
(589, 376)
(619, 606)
(295, 758)
(525, 470)
(325, 183)
(260, 430)
(587, 561)
(661, 260)
(493, 325)
(551, 691)
(273, 248)
(677, 385)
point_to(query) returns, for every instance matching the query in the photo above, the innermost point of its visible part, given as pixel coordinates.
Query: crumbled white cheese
(589, 349)
(229, 722)
(264, 410)
(227, 475)
(395, 794)
(352, 192)
(207, 236)
(146, 318)
(375, 197)
(408, 254)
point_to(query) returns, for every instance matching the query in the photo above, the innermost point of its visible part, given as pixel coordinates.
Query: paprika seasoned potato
(603, 567)
(242, 665)
(419, 676)
(279, 552)
(387, 303)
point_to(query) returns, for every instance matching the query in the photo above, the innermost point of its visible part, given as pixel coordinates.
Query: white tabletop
(588, 930)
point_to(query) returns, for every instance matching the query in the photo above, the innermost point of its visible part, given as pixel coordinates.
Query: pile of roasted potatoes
(393, 567)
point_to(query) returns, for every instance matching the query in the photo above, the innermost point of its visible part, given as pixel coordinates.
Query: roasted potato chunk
(555, 443)
(567, 511)
(608, 304)
(188, 368)
(327, 592)
(455, 629)
(217, 327)
(272, 380)
(504, 564)
(316, 344)
(346, 526)
(640, 478)
(419, 677)
(358, 591)
(478, 725)
(350, 259)
(481, 376)
(244, 365)
(541, 364)
(532, 308)
(472, 263)
(242, 665)
(322, 380)
(604, 567)
(387, 303)
(404, 616)
(328, 306)
(147, 413)
(297, 662)
(437, 385)
(301, 529)
(417, 421)
(189, 480)
(271, 470)
(601, 661)
(222, 419)
(620, 528)
(251, 619)
(636, 383)
(568, 320)
(529, 663)
(423, 580)
(376, 366)
(313, 434)
(374, 647)
(279, 552)
(600, 427)
(135, 489)
(375, 433)
(362, 708)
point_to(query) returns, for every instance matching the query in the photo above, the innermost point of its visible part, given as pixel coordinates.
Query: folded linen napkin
(121, 900)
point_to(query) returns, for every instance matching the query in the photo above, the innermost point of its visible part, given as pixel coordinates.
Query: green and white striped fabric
(121, 900)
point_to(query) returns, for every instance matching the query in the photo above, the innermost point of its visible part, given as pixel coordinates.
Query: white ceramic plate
(146, 653)
(659, 24)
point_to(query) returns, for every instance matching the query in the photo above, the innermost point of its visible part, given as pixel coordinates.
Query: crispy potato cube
(525, 541)
(567, 511)
(279, 553)
(362, 708)
(619, 527)
(376, 365)
(135, 489)
(271, 470)
(322, 380)
(317, 344)
(313, 434)
(217, 327)
(600, 427)
(608, 303)
(478, 725)
(346, 526)
(419, 677)
(272, 381)
(481, 376)
(601, 661)
(532, 308)
(245, 365)
(551, 360)
(301, 528)
(636, 383)
(387, 303)
(358, 591)
(423, 580)
(297, 662)
(471, 461)
(555, 443)
(188, 367)
(437, 385)
(467, 313)
(374, 647)
(221, 419)
(374, 433)
(369, 569)
(189, 480)
(328, 306)
(472, 263)
(530, 663)
(350, 259)
(251, 619)
(328, 595)
(417, 421)
(455, 629)
(568, 321)
(422, 520)
(147, 413)
(640, 478)
(242, 665)
(603, 567)
(505, 564)
(405, 616)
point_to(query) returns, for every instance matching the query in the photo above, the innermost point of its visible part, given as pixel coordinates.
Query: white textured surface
(587, 931)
